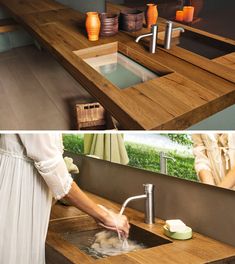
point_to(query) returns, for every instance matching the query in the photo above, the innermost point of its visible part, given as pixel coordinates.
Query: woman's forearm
(80, 200)
(206, 177)
(229, 180)
(109, 220)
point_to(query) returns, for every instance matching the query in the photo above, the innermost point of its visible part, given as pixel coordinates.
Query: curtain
(109, 147)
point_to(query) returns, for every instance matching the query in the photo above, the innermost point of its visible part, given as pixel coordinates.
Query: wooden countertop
(192, 89)
(199, 249)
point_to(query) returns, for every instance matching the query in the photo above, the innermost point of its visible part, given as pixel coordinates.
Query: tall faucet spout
(179, 29)
(168, 34)
(149, 203)
(153, 41)
(137, 197)
(143, 36)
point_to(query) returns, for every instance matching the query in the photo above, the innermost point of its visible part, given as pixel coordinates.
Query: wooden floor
(36, 93)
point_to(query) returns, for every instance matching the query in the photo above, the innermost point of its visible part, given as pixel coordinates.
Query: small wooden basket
(92, 116)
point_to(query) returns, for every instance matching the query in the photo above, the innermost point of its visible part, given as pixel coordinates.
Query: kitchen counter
(192, 88)
(199, 249)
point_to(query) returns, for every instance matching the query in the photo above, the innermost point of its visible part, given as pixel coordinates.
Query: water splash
(107, 243)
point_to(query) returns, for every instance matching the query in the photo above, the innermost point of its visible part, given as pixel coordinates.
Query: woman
(215, 158)
(32, 172)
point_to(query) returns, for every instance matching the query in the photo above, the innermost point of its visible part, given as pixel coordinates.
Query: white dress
(32, 171)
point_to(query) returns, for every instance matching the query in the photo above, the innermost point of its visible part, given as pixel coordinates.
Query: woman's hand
(116, 222)
(103, 216)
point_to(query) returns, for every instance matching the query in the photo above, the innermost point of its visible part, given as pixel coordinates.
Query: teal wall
(85, 6)
(20, 37)
(223, 120)
(13, 39)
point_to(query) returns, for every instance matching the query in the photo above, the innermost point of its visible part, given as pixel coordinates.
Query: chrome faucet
(153, 42)
(149, 203)
(163, 162)
(168, 34)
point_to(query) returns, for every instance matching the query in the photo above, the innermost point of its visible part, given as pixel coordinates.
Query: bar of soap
(175, 225)
(187, 234)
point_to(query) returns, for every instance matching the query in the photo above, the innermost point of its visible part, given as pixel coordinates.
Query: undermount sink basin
(120, 69)
(204, 46)
(79, 234)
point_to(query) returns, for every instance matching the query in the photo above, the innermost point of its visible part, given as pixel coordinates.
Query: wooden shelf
(195, 20)
(7, 25)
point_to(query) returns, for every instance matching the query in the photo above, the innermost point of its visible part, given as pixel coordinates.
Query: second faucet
(154, 35)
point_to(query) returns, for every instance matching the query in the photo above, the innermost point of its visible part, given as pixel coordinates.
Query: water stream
(109, 243)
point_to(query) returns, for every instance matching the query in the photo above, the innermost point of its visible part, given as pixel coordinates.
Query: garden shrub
(143, 157)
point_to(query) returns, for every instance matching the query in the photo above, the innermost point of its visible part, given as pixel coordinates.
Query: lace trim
(67, 188)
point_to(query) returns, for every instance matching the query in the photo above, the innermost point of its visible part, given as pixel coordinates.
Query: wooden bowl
(131, 20)
(109, 24)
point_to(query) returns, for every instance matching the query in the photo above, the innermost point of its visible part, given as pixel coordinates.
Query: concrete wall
(208, 210)
(85, 6)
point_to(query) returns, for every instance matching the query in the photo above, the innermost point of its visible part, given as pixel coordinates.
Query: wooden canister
(92, 26)
(151, 15)
(131, 20)
(109, 24)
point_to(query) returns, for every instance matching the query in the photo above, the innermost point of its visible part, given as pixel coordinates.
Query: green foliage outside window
(143, 157)
(183, 139)
(73, 143)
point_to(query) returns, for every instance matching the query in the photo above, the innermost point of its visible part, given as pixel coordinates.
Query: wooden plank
(7, 25)
(199, 249)
(62, 34)
(19, 7)
(63, 211)
(227, 60)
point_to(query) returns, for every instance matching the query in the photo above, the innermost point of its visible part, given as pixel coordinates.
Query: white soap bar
(176, 225)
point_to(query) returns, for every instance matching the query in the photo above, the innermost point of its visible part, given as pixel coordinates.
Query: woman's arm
(43, 149)
(205, 176)
(80, 200)
(229, 180)
(202, 163)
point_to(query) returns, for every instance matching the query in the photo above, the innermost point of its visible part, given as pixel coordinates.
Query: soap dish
(187, 234)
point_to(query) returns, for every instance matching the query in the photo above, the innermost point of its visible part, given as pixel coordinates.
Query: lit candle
(179, 15)
(188, 13)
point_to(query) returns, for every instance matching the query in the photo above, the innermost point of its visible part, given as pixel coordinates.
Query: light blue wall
(20, 37)
(223, 120)
(85, 6)
(13, 39)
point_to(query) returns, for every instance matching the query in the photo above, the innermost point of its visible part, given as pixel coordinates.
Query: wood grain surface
(227, 60)
(199, 249)
(200, 87)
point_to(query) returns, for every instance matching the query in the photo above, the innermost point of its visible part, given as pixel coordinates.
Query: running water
(125, 244)
(107, 243)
